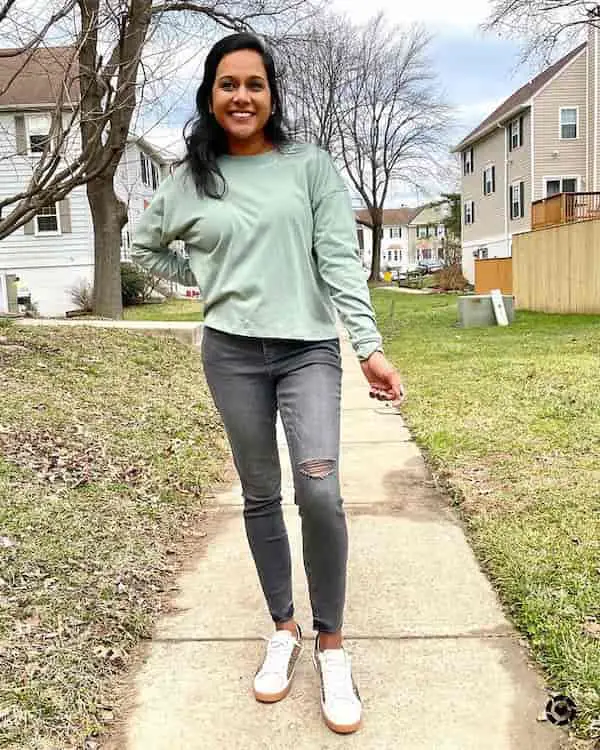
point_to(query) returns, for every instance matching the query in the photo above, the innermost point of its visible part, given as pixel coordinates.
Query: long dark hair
(205, 139)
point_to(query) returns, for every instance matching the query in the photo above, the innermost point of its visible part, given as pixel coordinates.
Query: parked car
(431, 265)
(411, 269)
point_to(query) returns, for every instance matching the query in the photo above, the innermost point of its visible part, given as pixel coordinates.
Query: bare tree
(391, 119)
(103, 84)
(547, 26)
(316, 68)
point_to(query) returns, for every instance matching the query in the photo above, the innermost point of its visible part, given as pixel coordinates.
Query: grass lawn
(510, 419)
(108, 445)
(171, 310)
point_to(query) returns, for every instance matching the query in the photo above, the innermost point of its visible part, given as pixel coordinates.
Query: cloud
(438, 13)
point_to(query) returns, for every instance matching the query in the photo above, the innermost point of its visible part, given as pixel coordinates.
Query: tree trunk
(109, 216)
(377, 224)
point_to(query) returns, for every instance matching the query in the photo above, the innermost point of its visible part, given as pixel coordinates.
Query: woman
(272, 245)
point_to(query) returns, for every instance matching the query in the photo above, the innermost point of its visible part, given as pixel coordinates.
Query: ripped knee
(317, 468)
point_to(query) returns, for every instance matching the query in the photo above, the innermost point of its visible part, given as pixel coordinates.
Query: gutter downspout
(506, 237)
(596, 84)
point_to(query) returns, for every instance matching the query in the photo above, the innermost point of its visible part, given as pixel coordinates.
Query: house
(396, 249)
(427, 233)
(55, 250)
(141, 170)
(544, 139)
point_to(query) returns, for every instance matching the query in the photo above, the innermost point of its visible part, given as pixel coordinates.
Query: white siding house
(140, 172)
(55, 251)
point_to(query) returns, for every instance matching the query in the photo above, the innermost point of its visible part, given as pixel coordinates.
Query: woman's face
(241, 99)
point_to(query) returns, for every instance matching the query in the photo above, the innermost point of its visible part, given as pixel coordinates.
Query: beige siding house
(427, 233)
(397, 252)
(544, 139)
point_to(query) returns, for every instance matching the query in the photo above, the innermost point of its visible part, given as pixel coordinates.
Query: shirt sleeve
(335, 244)
(157, 228)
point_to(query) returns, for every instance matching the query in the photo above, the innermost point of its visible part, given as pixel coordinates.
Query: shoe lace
(279, 649)
(337, 675)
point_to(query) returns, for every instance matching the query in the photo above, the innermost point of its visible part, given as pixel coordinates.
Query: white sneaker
(274, 678)
(340, 701)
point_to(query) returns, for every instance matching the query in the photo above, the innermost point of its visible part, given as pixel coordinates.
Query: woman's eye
(257, 86)
(227, 85)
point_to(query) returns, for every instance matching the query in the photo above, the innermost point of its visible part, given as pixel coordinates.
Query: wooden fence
(558, 269)
(493, 273)
(564, 208)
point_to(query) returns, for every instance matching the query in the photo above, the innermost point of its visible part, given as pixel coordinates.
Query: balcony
(563, 208)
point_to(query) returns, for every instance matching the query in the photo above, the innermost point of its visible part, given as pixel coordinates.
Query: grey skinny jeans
(250, 379)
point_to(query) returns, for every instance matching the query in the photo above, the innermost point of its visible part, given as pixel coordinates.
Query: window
(144, 166)
(489, 180)
(441, 231)
(517, 200)
(421, 231)
(38, 131)
(469, 210)
(482, 252)
(426, 254)
(361, 238)
(47, 220)
(395, 256)
(154, 176)
(568, 123)
(467, 159)
(515, 134)
(555, 185)
(150, 173)
(395, 233)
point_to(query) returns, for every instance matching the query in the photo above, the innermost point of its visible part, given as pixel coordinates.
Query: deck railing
(564, 208)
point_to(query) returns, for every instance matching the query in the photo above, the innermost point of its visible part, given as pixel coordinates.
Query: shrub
(451, 279)
(133, 284)
(82, 295)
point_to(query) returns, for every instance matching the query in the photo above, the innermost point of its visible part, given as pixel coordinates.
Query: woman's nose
(241, 94)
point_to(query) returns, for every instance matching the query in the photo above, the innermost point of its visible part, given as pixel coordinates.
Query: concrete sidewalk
(437, 664)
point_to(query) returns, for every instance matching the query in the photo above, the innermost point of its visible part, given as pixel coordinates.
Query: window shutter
(64, 208)
(21, 135)
(465, 213)
(510, 201)
(484, 184)
(521, 130)
(509, 136)
(28, 228)
(472, 160)
(522, 190)
(493, 179)
(472, 212)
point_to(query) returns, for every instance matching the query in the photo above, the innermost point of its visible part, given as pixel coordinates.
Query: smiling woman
(241, 102)
(272, 244)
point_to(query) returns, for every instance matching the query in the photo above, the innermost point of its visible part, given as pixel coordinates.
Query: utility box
(478, 310)
(8, 293)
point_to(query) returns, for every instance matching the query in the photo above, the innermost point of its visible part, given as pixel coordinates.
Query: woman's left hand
(383, 378)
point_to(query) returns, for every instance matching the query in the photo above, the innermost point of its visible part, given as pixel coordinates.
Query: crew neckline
(265, 156)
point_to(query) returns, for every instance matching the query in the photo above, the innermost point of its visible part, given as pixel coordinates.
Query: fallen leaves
(108, 443)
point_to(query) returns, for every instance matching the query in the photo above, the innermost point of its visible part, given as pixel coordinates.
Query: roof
(392, 217)
(430, 214)
(39, 76)
(162, 155)
(519, 99)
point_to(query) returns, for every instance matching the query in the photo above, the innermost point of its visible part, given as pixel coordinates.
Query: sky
(476, 71)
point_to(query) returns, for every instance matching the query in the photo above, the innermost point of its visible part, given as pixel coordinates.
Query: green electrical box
(478, 310)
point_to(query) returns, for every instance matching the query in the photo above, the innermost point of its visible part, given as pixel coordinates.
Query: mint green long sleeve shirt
(275, 257)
